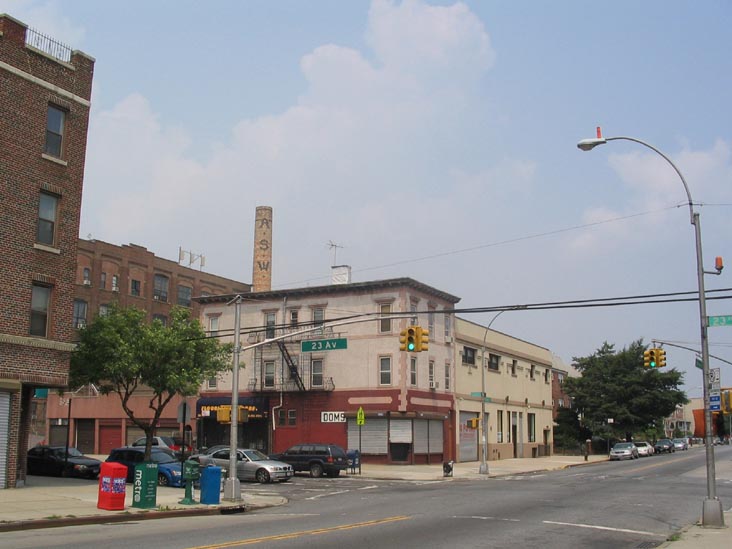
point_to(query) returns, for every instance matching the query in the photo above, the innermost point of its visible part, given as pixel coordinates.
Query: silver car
(250, 465)
(624, 450)
(680, 444)
(644, 449)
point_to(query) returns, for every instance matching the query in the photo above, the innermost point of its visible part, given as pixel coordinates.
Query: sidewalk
(47, 502)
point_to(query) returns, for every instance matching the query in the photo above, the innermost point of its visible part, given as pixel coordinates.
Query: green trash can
(145, 486)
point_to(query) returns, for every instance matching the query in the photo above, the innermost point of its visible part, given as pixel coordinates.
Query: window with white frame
(294, 317)
(213, 325)
(316, 372)
(318, 316)
(269, 374)
(55, 122)
(413, 310)
(212, 381)
(413, 371)
(493, 361)
(448, 325)
(103, 281)
(184, 295)
(447, 377)
(431, 320)
(87, 275)
(384, 370)
(103, 309)
(115, 283)
(47, 213)
(80, 307)
(291, 417)
(40, 304)
(135, 287)
(431, 372)
(385, 323)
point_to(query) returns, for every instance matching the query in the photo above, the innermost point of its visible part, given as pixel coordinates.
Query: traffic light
(650, 358)
(647, 358)
(223, 415)
(423, 339)
(473, 423)
(403, 340)
(661, 356)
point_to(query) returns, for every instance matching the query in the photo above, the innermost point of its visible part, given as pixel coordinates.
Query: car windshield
(623, 445)
(255, 455)
(168, 441)
(162, 457)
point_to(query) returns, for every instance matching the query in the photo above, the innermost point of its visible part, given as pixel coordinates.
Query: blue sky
(410, 131)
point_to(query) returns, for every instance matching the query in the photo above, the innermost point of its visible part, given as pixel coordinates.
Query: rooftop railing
(48, 45)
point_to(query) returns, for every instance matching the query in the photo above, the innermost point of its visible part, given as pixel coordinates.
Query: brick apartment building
(130, 276)
(45, 91)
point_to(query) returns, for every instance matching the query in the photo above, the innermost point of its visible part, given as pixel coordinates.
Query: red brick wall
(27, 86)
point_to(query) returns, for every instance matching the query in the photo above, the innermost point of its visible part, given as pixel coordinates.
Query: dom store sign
(333, 417)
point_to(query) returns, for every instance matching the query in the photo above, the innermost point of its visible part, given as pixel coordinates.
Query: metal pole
(483, 470)
(712, 508)
(68, 433)
(232, 487)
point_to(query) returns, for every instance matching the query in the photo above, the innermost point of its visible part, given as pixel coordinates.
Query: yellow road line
(658, 463)
(252, 541)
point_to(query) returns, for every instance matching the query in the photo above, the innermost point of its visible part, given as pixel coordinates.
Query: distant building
(45, 89)
(130, 276)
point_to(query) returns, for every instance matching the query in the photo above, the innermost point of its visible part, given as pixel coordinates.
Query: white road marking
(328, 494)
(369, 487)
(595, 527)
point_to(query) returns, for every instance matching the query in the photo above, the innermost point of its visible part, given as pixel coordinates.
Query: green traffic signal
(411, 341)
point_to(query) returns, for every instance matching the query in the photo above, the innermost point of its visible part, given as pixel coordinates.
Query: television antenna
(333, 246)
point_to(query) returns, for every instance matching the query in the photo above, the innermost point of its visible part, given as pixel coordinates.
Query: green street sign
(699, 363)
(316, 345)
(479, 394)
(360, 416)
(724, 320)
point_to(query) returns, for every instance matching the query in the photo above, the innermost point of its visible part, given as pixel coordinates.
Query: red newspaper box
(112, 484)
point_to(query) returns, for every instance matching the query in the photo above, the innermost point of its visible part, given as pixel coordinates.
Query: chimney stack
(262, 268)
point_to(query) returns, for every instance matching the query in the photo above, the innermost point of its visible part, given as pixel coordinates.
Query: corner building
(287, 388)
(45, 91)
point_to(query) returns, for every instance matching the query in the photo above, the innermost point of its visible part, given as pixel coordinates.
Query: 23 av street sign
(316, 345)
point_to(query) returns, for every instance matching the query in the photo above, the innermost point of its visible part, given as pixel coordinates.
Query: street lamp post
(232, 486)
(483, 470)
(712, 508)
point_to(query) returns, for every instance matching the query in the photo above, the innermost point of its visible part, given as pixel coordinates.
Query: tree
(568, 432)
(616, 385)
(121, 353)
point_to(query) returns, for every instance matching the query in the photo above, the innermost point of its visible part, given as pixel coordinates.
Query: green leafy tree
(616, 385)
(568, 431)
(121, 353)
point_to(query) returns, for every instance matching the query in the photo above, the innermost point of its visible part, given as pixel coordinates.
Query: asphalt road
(634, 504)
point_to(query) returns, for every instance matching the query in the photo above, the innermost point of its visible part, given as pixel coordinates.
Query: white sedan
(644, 449)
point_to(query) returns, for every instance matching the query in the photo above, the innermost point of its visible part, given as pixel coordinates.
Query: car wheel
(162, 480)
(262, 476)
(316, 470)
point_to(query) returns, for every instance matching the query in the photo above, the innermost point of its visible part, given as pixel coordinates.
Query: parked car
(664, 445)
(644, 449)
(624, 450)
(680, 444)
(315, 458)
(172, 443)
(52, 460)
(169, 471)
(250, 465)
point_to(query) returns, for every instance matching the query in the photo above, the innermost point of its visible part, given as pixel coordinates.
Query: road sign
(316, 345)
(184, 412)
(332, 417)
(714, 407)
(715, 398)
(360, 416)
(699, 363)
(724, 320)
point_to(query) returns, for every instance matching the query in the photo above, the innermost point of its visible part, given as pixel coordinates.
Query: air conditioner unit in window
(87, 282)
(80, 324)
(115, 288)
(156, 297)
(434, 385)
(448, 340)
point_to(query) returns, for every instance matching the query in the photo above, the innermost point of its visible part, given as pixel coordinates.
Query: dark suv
(315, 458)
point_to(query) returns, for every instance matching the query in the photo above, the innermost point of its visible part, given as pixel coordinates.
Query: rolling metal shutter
(373, 436)
(4, 436)
(428, 436)
(400, 430)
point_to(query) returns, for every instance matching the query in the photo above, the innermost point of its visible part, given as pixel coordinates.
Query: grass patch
(674, 537)
(52, 517)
